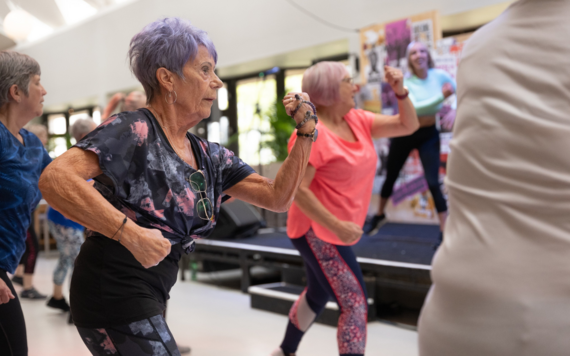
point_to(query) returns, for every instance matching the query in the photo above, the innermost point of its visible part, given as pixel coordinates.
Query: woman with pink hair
(330, 206)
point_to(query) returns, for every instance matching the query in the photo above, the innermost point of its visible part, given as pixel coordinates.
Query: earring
(169, 96)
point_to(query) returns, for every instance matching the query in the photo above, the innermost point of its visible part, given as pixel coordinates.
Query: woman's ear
(15, 93)
(165, 79)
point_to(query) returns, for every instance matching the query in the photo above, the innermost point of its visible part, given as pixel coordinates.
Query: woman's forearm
(291, 173)
(407, 115)
(67, 191)
(311, 206)
(276, 195)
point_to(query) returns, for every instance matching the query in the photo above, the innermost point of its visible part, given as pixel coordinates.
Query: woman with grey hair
(22, 160)
(157, 188)
(67, 233)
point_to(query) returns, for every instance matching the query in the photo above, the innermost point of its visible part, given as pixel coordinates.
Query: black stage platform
(396, 262)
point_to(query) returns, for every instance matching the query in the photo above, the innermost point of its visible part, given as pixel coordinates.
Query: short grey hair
(168, 43)
(82, 127)
(16, 68)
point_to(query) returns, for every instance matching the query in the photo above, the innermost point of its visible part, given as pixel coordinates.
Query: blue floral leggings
(147, 337)
(69, 241)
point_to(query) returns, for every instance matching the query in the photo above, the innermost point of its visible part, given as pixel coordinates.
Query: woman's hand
(147, 245)
(347, 231)
(447, 90)
(448, 119)
(395, 78)
(291, 103)
(5, 293)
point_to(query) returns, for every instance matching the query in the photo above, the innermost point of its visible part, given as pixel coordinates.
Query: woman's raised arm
(64, 186)
(403, 124)
(277, 195)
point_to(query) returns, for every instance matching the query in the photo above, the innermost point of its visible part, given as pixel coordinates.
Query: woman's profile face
(33, 103)
(347, 90)
(198, 90)
(418, 56)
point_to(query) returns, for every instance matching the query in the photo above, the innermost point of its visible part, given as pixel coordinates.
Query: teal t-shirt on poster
(426, 94)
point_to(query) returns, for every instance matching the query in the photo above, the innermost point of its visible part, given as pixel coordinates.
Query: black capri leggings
(426, 140)
(13, 339)
(30, 257)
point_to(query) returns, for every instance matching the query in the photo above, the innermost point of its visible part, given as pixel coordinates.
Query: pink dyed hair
(322, 82)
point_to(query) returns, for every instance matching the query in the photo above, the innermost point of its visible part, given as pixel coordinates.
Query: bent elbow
(282, 207)
(43, 183)
(413, 127)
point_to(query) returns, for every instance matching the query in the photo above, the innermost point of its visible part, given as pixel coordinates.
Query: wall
(85, 63)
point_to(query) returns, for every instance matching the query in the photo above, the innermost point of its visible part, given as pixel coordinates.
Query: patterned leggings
(332, 271)
(147, 337)
(69, 242)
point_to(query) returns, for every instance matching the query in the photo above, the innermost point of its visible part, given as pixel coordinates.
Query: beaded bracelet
(294, 112)
(308, 116)
(312, 106)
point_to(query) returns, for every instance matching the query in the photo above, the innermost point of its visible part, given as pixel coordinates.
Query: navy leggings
(332, 271)
(426, 141)
(13, 339)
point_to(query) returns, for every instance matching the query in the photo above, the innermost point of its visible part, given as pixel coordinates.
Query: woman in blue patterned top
(157, 189)
(22, 160)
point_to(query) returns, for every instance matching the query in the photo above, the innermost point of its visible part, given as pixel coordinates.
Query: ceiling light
(18, 24)
(75, 10)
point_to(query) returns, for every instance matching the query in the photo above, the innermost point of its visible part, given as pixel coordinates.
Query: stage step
(279, 297)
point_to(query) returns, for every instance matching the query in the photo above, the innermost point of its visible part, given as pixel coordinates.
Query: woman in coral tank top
(331, 203)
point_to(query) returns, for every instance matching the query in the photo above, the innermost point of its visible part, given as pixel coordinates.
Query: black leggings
(147, 337)
(426, 141)
(13, 339)
(30, 257)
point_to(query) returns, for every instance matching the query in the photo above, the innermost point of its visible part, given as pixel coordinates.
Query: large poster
(411, 200)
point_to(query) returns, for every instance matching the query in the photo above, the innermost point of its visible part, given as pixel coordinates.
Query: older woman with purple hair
(330, 207)
(157, 189)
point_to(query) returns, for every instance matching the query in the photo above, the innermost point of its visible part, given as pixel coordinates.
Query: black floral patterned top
(144, 178)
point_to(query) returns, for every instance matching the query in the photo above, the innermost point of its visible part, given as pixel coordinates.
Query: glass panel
(60, 146)
(56, 124)
(294, 80)
(214, 132)
(97, 115)
(224, 130)
(223, 98)
(254, 97)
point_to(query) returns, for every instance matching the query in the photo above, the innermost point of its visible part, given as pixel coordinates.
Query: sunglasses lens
(204, 209)
(198, 182)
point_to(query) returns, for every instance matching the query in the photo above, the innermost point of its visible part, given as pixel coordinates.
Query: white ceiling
(47, 11)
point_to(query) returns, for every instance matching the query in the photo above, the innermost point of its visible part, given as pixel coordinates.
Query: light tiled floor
(213, 321)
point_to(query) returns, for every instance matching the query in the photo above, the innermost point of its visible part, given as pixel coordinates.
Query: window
(57, 124)
(294, 80)
(254, 97)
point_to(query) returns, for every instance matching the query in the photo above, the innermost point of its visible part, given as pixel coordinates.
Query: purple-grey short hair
(322, 82)
(167, 43)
